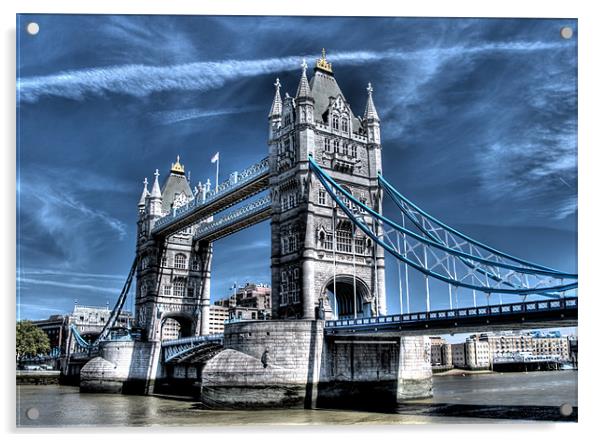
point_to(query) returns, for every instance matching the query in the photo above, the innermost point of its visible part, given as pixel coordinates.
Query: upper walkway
(240, 186)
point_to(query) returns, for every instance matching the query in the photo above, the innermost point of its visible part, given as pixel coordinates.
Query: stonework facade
(173, 274)
(316, 250)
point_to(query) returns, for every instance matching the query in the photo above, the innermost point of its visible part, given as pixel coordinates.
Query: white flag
(215, 158)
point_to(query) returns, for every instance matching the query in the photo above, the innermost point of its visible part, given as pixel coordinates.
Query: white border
(589, 196)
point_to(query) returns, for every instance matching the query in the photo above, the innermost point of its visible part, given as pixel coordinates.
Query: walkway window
(180, 261)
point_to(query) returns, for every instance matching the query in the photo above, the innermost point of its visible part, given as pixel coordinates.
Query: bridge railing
(235, 181)
(237, 215)
(491, 310)
(193, 340)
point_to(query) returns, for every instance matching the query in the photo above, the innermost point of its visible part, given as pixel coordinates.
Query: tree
(31, 340)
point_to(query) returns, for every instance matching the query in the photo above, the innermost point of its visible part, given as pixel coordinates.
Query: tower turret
(371, 119)
(304, 99)
(142, 202)
(155, 200)
(275, 115)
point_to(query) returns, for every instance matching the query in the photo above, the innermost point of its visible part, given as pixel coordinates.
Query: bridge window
(179, 287)
(322, 197)
(359, 246)
(344, 239)
(180, 261)
(328, 241)
(191, 289)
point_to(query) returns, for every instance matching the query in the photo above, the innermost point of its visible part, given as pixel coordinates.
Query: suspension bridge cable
(329, 184)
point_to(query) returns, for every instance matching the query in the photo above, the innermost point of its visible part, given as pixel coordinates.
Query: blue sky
(478, 117)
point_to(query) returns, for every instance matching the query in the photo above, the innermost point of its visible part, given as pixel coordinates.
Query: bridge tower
(320, 262)
(173, 274)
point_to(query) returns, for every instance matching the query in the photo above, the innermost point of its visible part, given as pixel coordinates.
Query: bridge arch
(176, 325)
(343, 308)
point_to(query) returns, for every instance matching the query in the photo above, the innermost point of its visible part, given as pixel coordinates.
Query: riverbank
(462, 372)
(38, 377)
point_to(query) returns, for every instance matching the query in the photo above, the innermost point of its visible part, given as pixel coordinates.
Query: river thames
(497, 397)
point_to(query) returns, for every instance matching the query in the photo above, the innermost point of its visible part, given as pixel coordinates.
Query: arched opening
(341, 300)
(176, 327)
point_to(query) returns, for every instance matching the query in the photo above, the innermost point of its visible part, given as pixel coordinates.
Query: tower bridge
(331, 338)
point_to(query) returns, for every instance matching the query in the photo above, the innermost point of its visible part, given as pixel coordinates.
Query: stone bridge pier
(284, 363)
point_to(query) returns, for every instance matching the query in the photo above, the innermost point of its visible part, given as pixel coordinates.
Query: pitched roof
(323, 86)
(175, 184)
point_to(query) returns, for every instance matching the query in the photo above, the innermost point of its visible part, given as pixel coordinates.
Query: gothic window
(344, 125)
(337, 148)
(359, 246)
(344, 238)
(179, 287)
(180, 261)
(191, 289)
(164, 261)
(354, 151)
(346, 149)
(327, 144)
(195, 265)
(285, 248)
(291, 200)
(143, 289)
(287, 119)
(166, 290)
(335, 123)
(322, 197)
(293, 242)
(328, 241)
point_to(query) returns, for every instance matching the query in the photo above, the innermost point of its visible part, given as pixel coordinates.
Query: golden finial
(177, 167)
(322, 64)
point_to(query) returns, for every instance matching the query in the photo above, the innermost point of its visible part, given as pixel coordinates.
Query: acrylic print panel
(273, 220)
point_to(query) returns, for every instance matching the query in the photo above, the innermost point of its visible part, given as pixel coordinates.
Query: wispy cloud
(69, 285)
(142, 80)
(176, 116)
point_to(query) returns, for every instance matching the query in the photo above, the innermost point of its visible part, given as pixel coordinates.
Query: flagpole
(217, 173)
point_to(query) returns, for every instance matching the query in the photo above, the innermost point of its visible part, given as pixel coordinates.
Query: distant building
(250, 302)
(503, 345)
(218, 315)
(89, 322)
(441, 352)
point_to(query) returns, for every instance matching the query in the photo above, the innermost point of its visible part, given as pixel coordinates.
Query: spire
(370, 112)
(156, 191)
(145, 193)
(177, 167)
(303, 90)
(276, 109)
(322, 64)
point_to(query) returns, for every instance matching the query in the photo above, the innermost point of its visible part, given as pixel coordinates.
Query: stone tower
(173, 274)
(319, 260)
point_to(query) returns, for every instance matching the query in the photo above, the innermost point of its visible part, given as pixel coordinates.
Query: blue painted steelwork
(484, 312)
(178, 347)
(517, 274)
(237, 216)
(236, 181)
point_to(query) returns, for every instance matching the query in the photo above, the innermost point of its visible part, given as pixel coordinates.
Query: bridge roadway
(240, 186)
(516, 316)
